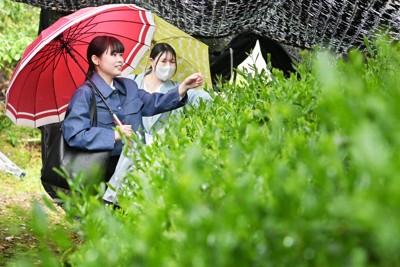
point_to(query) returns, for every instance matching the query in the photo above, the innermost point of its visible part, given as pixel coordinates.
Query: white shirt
(149, 137)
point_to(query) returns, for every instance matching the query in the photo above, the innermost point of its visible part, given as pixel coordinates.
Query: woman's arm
(193, 81)
(76, 127)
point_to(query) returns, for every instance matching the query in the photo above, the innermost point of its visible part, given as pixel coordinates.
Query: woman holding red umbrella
(122, 95)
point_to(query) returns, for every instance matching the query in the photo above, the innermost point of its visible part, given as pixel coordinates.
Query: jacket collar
(104, 88)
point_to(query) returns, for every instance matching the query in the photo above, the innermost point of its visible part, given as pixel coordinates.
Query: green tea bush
(276, 172)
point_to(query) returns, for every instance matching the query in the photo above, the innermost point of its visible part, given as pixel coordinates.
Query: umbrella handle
(117, 120)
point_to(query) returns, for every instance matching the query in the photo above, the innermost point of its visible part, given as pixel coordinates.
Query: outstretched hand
(193, 81)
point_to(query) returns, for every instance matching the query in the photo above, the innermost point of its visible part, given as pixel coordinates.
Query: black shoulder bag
(76, 161)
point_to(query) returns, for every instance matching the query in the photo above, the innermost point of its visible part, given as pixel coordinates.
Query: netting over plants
(300, 23)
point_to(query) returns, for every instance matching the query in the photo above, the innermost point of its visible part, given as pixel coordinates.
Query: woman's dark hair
(160, 49)
(98, 46)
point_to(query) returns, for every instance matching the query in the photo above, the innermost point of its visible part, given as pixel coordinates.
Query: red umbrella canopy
(54, 64)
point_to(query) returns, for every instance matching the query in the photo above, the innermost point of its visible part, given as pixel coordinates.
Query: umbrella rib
(61, 56)
(44, 57)
(87, 23)
(172, 38)
(40, 64)
(52, 64)
(70, 73)
(84, 28)
(42, 67)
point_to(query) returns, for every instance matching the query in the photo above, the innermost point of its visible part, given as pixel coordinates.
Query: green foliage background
(18, 27)
(275, 172)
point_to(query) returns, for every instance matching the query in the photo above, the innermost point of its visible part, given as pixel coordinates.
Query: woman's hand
(125, 129)
(193, 81)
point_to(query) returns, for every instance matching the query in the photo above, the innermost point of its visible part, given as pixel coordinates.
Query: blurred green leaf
(300, 171)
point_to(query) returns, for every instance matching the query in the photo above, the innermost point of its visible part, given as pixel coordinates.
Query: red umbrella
(54, 65)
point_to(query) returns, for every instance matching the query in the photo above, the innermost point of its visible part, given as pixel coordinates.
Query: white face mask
(164, 72)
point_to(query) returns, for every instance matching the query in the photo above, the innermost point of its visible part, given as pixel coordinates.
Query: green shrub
(283, 172)
(19, 24)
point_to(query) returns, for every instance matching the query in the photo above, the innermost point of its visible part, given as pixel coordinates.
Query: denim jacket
(127, 101)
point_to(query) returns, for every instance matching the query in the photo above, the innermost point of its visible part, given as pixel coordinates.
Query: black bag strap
(93, 109)
(93, 86)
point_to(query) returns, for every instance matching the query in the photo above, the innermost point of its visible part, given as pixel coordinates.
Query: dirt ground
(16, 199)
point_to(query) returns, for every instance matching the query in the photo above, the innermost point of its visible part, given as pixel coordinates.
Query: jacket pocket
(133, 106)
(104, 119)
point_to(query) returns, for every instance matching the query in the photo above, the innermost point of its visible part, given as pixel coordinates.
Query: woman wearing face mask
(155, 80)
(163, 66)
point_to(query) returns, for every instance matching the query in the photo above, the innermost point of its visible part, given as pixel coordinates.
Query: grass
(22, 146)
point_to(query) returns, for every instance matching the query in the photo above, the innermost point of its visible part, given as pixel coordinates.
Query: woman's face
(164, 66)
(164, 59)
(108, 65)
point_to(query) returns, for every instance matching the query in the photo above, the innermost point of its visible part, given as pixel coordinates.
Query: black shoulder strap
(93, 108)
(94, 87)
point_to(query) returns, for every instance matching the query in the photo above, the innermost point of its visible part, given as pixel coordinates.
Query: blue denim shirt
(127, 101)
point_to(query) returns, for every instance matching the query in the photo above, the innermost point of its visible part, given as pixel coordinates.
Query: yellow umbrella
(192, 54)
